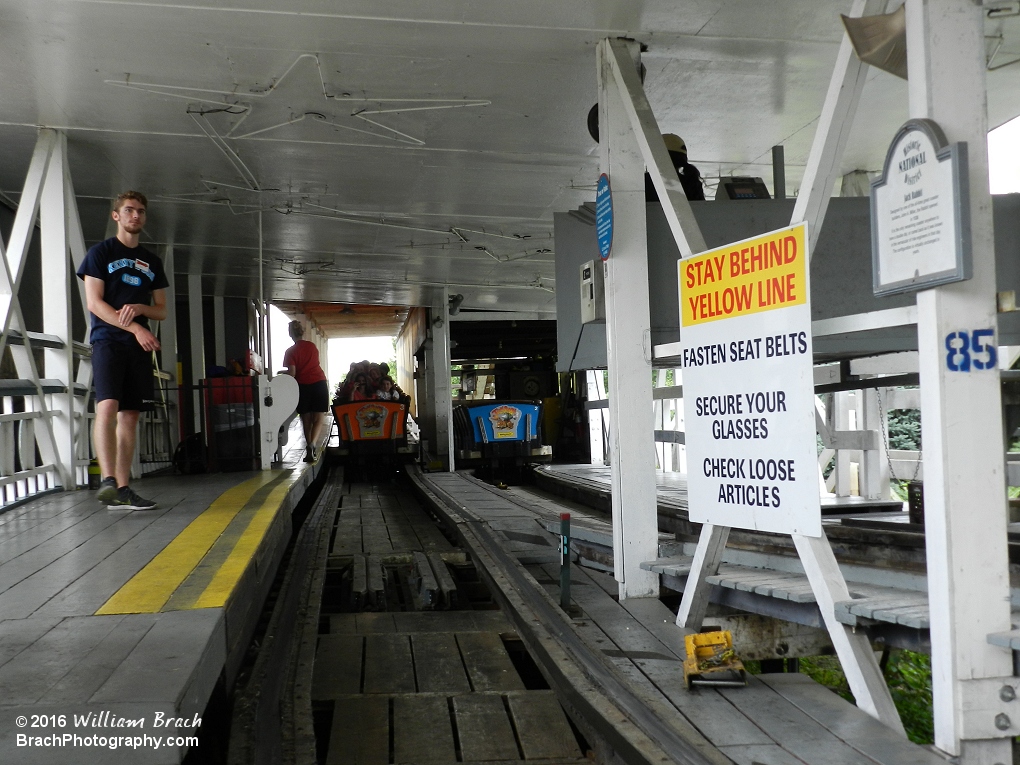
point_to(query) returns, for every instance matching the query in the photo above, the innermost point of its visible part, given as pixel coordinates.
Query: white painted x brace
(631, 140)
(49, 197)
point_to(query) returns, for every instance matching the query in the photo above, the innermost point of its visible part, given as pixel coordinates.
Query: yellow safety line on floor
(226, 579)
(149, 590)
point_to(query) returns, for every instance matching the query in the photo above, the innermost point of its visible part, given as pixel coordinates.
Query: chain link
(884, 428)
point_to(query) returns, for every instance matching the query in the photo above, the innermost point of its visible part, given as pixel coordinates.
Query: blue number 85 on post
(971, 350)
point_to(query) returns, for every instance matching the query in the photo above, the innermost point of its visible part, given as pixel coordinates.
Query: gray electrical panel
(741, 187)
(593, 292)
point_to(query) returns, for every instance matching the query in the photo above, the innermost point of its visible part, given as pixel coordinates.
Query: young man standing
(125, 287)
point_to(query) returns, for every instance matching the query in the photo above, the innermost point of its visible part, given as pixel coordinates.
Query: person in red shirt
(302, 363)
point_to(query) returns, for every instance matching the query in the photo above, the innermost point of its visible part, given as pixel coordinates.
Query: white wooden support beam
(961, 419)
(168, 347)
(853, 649)
(440, 391)
(28, 203)
(220, 333)
(604, 424)
(838, 420)
(83, 377)
(619, 57)
(821, 426)
(659, 416)
(168, 327)
(196, 325)
(267, 331)
(707, 557)
(24, 226)
(873, 480)
(679, 460)
(628, 334)
(24, 359)
(596, 445)
(823, 165)
(56, 305)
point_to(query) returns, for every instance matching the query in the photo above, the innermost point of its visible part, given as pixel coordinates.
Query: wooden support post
(628, 339)
(168, 343)
(706, 563)
(56, 305)
(823, 165)
(596, 442)
(10, 279)
(873, 477)
(853, 649)
(83, 378)
(439, 390)
(220, 336)
(838, 417)
(196, 324)
(961, 416)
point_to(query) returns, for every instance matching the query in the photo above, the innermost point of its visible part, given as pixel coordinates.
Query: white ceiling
(472, 120)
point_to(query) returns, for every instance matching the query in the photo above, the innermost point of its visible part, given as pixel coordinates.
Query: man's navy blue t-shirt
(130, 275)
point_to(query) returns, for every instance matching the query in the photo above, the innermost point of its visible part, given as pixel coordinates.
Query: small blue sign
(604, 216)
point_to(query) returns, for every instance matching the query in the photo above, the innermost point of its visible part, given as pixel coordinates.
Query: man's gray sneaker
(107, 490)
(127, 499)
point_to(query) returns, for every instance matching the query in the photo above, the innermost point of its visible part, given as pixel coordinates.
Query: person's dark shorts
(123, 372)
(313, 397)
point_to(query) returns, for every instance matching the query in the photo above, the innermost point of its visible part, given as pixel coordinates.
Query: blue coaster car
(491, 432)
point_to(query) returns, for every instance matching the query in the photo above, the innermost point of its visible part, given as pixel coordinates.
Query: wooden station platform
(881, 554)
(618, 665)
(593, 483)
(134, 614)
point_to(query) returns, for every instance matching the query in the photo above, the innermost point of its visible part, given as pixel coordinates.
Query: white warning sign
(748, 385)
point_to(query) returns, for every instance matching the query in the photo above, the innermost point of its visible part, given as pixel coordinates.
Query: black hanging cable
(570, 366)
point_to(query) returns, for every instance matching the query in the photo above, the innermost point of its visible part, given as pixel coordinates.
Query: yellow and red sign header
(751, 276)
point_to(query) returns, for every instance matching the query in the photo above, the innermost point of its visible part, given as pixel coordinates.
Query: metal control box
(741, 187)
(593, 292)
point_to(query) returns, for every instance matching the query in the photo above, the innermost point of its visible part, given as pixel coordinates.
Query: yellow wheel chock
(711, 660)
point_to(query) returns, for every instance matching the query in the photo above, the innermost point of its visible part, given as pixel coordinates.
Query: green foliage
(899, 490)
(670, 378)
(826, 670)
(905, 429)
(909, 677)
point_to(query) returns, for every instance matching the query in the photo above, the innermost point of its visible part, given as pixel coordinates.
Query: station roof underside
(399, 148)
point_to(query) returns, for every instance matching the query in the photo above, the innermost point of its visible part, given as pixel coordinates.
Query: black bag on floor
(190, 455)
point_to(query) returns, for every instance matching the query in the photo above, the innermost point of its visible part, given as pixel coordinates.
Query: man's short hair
(137, 196)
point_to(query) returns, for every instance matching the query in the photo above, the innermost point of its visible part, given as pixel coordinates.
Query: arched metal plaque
(920, 212)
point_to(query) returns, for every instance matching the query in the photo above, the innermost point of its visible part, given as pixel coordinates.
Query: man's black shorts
(123, 372)
(313, 397)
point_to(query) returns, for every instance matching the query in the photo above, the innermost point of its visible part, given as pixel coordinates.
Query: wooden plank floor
(773, 721)
(381, 520)
(62, 557)
(440, 687)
